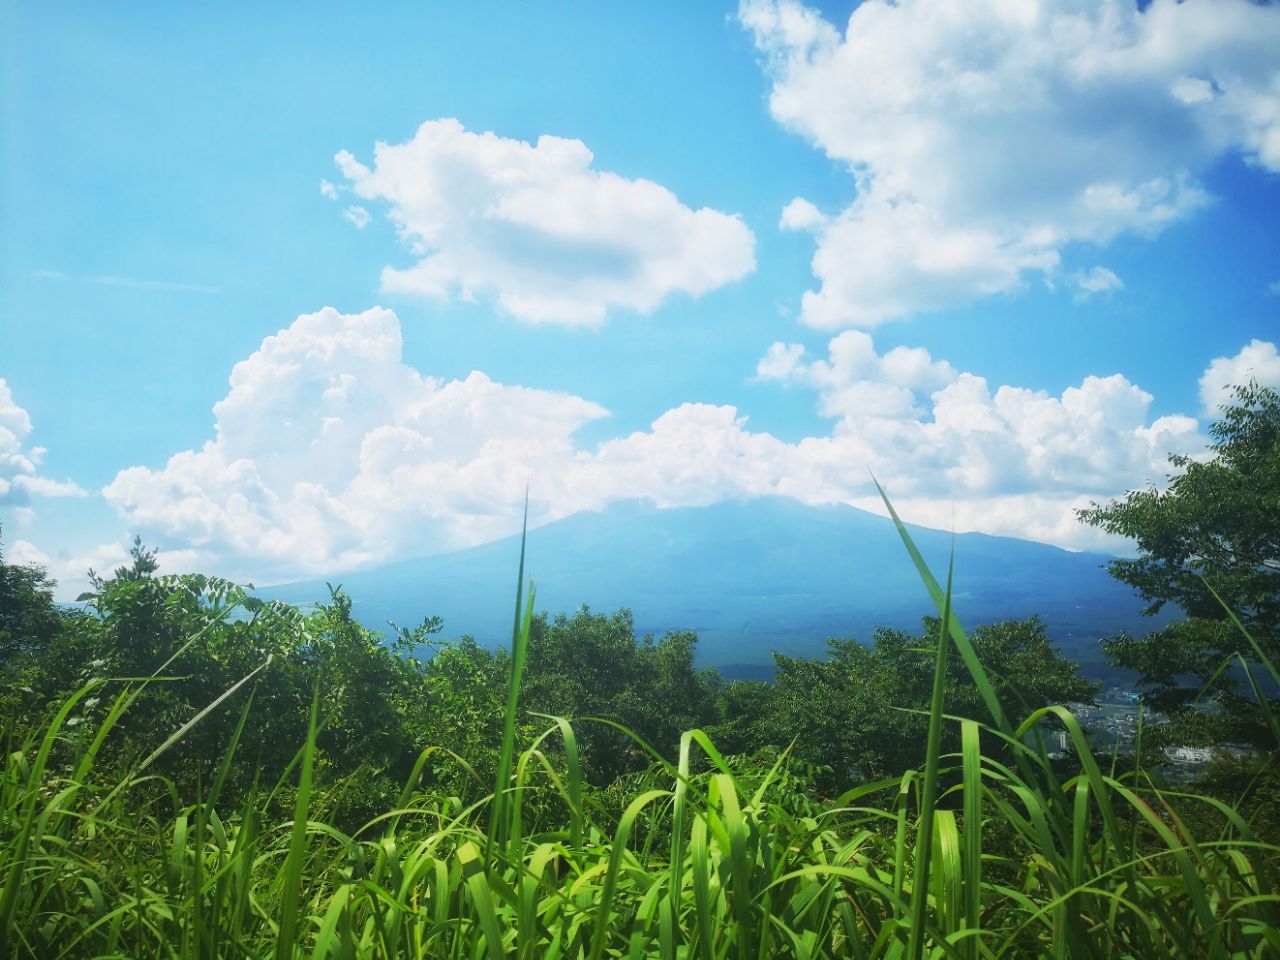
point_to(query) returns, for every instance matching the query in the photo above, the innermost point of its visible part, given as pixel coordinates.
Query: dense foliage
(1209, 545)
(855, 713)
(864, 710)
(989, 851)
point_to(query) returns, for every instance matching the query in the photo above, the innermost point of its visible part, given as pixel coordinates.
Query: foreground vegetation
(192, 773)
(986, 852)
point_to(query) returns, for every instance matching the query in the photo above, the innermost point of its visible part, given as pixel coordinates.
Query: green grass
(987, 853)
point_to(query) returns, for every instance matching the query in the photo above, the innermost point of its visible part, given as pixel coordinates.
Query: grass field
(992, 852)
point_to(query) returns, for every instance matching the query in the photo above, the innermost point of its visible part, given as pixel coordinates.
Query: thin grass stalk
(19, 848)
(929, 789)
(950, 622)
(292, 870)
(971, 768)
(519, 649)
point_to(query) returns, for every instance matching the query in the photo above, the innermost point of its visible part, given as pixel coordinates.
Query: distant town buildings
(1111, 725)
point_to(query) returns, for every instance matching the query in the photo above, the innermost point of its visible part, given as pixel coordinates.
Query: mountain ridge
(750, 576)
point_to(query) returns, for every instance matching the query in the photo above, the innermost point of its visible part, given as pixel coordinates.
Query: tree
(1215, 528)
(199, 637)
(862, 711)
(32, 631)
(591, 665)
(29, 618)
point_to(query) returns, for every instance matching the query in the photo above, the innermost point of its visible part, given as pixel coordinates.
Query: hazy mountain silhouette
(750, 577)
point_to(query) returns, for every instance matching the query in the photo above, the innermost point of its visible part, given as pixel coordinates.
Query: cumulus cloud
(1256, 362)
(329, 452)
(71, 568)
(539, 229)
(800, 214)
(930, 431)
(328, 190)
(25, 553)
(20, 477)
(985, 137)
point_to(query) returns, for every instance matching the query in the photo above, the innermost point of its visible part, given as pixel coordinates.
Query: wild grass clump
(989, 852)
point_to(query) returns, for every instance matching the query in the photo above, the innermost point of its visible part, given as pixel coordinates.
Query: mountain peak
(750, 576)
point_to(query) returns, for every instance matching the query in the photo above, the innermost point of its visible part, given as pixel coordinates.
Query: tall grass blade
(985, 688)
(971, 763)
(291, 889)
(929, 789)
(519, 649)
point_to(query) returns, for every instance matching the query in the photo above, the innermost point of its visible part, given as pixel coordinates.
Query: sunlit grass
(991, 852)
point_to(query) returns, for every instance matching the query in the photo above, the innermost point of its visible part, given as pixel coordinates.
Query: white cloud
(930, 431)
(781, 362)
(20, 479)
(329, 452)
(328, 190)
(882, 259)
(357, 215)
(800, 214)
(985, 137)
(535, 226)
(854, 381)
(1089, 283)
(1047, 518)
(25, 553)
(69, 569)
(1257, 361)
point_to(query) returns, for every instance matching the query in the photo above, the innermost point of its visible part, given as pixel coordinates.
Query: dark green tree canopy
(1217, 525)
(862, 710)
(29, 619)
(594, 665)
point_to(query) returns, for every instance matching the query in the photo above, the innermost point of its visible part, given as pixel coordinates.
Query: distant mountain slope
(750, 577)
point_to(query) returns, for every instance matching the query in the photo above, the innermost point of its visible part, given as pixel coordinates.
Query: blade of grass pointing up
(1271, 668)
(291, 891)
(929, 794)
(15, 851)
(519, 647)
(950, 621)
(971, 760)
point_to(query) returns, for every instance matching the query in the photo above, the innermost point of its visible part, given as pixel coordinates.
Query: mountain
(750, 577)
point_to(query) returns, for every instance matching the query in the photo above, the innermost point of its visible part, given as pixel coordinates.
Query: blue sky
(1036, 239)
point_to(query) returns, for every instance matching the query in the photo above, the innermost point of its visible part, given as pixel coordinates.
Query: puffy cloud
(25, 553)
(985, 137)
(328, 190)
(800, 214)
(928, 430)
(694, 455)
(1256, 362)
(537, 227)
(20, 479)
(330, 452)
(71, 568)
